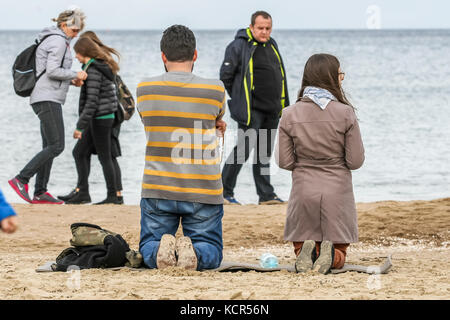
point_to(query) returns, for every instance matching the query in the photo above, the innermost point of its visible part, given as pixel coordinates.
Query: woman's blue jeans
(200, 222)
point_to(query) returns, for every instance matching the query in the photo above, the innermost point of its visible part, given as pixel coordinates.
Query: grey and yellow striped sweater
(179, 111)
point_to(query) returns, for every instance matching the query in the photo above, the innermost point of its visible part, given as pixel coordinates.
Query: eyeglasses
(343, 75)
(75, 30)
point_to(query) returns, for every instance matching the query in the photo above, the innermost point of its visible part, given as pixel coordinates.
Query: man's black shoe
(109, 200)
(68, 196)
(80, 198)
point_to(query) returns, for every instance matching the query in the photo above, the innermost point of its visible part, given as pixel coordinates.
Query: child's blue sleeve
(5, 209)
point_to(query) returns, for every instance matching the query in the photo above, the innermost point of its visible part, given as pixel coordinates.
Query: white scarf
(319, 96)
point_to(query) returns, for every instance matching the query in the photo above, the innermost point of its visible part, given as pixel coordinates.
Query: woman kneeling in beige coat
(320, 142)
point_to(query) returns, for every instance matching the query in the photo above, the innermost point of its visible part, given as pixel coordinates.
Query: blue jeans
(200, 222)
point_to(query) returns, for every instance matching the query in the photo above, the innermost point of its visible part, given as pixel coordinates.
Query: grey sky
(230, 14)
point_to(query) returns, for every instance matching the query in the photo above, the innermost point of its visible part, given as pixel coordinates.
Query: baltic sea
(399, 81)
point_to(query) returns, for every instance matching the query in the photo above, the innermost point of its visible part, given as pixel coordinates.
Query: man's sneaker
(307, 256)
(275, 200)
(186, 256)
(166, 252)
(21, 189)
(324, 263)
(46, 198)
(230, 200)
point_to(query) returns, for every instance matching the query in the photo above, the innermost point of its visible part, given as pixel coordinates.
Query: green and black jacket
(236, 73)
(98, 95)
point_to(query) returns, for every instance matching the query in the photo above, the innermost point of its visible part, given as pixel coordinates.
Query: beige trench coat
(320, 147)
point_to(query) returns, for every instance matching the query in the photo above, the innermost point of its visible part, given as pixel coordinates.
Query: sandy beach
(416, 233)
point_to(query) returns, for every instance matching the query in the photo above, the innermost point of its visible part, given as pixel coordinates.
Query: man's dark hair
(264, 14)
(178, 43)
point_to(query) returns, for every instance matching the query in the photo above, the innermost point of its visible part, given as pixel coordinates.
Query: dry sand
(417, 233)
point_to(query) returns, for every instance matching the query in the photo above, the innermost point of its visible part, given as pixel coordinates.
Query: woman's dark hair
(93, 36)
(178, 43)
(322, 71)
(88, 48)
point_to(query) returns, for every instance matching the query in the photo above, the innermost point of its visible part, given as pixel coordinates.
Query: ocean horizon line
(275, 29)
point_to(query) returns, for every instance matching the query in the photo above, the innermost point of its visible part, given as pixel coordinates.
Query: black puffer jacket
(98, 95)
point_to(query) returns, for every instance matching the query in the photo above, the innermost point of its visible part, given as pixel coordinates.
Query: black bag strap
(38, 43)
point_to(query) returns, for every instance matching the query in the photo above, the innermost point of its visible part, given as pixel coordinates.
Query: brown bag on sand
(86, 234)
(91, 250)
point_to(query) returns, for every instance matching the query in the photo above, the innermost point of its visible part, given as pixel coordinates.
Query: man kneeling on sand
(182, 179)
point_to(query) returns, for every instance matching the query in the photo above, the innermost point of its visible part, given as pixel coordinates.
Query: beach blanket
(240, 266)
(234, 266)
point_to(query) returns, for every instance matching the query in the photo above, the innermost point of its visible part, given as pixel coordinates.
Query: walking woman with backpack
(97, 107)
(53, 70)
(319, 140)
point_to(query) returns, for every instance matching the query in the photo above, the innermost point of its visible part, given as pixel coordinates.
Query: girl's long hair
(322, 71)
(93, 36)
(88, 48)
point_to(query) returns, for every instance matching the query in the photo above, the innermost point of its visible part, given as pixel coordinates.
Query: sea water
(398, 80)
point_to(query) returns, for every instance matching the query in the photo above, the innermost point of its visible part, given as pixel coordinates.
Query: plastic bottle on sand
(268, 260)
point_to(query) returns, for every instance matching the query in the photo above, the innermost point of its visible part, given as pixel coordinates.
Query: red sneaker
(46, 198)
(20, 188)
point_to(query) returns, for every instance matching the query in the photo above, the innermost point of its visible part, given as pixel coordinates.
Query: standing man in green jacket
(255, 79)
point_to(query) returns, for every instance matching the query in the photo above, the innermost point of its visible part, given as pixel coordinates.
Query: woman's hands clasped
(79, 80)
(77, 134)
